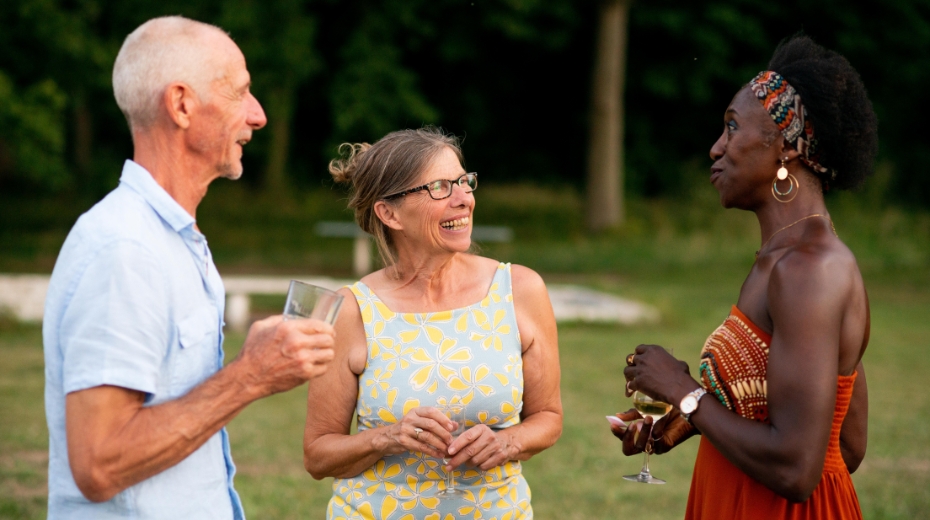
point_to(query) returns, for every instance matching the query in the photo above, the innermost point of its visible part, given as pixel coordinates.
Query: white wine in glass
(646, 405)
(456, 413)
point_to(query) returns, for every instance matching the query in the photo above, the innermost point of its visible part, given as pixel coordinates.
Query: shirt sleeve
(116, 328)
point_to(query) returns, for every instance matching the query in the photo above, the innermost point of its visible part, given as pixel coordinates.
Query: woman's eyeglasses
(442, 188)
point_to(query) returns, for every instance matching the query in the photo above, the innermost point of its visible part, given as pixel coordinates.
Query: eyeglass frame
(425, 186)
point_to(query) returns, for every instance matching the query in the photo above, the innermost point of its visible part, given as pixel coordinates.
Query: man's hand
(114, 441)
(279, 355)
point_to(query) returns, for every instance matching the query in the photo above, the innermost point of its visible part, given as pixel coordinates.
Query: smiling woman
(436, 327)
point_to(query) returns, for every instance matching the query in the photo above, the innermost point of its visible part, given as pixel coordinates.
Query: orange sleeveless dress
(733, 369)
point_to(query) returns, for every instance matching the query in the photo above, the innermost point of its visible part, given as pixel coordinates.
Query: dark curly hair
(838, 106)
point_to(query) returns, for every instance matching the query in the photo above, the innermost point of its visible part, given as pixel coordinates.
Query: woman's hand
(482, 447)
(667, 433)
(656, 373)
(424, 429)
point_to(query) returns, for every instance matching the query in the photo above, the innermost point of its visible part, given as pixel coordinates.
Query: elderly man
(136, 393)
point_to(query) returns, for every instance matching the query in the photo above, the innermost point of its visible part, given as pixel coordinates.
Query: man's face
(229, 114)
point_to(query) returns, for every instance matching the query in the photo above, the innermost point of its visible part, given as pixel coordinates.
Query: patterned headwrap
(783, 103)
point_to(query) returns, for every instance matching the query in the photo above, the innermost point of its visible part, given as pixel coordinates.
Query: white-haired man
(136, 394)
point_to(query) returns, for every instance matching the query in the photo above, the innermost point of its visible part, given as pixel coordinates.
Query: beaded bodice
(733, 366)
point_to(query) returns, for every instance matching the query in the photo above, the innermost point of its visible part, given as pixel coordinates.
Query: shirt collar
(138, 179)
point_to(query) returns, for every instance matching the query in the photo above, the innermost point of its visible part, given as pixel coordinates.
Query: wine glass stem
(450, 480)
(645, 470)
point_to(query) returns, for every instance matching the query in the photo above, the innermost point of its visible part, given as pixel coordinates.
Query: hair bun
(343, 169)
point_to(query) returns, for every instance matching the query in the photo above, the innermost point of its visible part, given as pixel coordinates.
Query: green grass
(580, 476)
(688, 258)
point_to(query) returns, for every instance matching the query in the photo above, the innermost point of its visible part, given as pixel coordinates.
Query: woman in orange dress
(781, 404)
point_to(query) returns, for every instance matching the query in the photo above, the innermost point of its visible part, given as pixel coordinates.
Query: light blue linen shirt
(135, 301)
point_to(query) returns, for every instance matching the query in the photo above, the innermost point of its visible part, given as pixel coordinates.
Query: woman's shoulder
(827, 256)
(818, 264)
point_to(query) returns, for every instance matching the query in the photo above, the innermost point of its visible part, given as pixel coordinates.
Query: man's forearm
(114, 442)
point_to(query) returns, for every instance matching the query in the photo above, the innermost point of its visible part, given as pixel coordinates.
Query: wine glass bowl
(648, 406)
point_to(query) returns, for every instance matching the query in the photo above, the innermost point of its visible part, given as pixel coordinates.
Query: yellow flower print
(519, 510)
(492, 296)
(466, 380)
(378, 344)
(480, 318)
(514, 365)
(442, 401)
(400, 352)
(389, 418)
(380, 473)
(484, 417)
(424, 464)
(425, 323)
(388, 506)
(370, 305)
(509, 408)
(475, 503)
(351, 490)
(380, 379)
(416, 493)
(431, 516)
(446, 353)
(510, 499)
(497, 329)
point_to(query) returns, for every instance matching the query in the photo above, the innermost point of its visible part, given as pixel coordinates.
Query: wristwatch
(689, 403)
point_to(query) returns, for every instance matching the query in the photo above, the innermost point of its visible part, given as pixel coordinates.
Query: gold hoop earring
(793, 186)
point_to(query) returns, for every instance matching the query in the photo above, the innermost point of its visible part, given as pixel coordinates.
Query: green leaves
(31, 132)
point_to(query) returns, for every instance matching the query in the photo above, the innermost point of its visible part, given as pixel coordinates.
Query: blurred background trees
(513, 77)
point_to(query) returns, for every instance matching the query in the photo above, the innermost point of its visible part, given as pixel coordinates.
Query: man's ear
(387, 214)
(180, 100)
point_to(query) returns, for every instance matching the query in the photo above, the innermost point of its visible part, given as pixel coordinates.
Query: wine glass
(655, 409)
(455, 413)
(309, 301)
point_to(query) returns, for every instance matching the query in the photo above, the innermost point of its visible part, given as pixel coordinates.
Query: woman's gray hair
(391, 165)
(161, 51)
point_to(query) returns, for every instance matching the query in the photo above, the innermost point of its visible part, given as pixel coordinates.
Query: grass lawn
(580, 476)
(686, 258)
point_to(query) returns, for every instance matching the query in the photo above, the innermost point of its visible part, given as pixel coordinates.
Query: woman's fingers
(645, 434)
(433, 421)
(637, 436)
(416, 439)
(474, 446)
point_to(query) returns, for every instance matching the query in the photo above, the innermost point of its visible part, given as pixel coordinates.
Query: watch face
(688, 404)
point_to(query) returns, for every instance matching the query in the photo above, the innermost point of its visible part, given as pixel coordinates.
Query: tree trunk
(83, 135)
(605, 147)
(280, 105)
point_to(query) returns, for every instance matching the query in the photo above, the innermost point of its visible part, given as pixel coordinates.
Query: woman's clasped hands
(428, 430)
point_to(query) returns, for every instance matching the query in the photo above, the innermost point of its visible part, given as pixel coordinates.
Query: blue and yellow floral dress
(471, 356)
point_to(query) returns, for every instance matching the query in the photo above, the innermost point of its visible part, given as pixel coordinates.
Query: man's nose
(256, 115)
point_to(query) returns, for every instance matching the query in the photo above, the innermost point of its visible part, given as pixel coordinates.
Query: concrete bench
(361, 252)
(23, 296)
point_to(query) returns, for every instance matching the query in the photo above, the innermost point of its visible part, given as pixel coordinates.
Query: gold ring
(418, 432)
(629, 360)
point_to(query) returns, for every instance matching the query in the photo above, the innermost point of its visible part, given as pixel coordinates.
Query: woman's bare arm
(329, 449)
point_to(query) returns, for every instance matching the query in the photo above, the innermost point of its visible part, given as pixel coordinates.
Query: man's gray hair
(159, 52)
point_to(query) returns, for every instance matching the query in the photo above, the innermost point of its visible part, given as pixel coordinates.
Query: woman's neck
(431, 276)
(775, 215)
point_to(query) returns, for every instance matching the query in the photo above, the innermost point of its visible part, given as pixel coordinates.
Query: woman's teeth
(455, 225)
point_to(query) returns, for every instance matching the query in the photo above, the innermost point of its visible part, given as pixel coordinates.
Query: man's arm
(114, 441)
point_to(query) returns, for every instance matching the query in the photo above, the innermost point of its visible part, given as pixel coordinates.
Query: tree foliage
(511, 76)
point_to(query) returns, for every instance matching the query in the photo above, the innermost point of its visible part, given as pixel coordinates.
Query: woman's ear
(387, 214)
(787, 152)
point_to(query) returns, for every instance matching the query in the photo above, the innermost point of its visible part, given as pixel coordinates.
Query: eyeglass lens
(442, 188)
